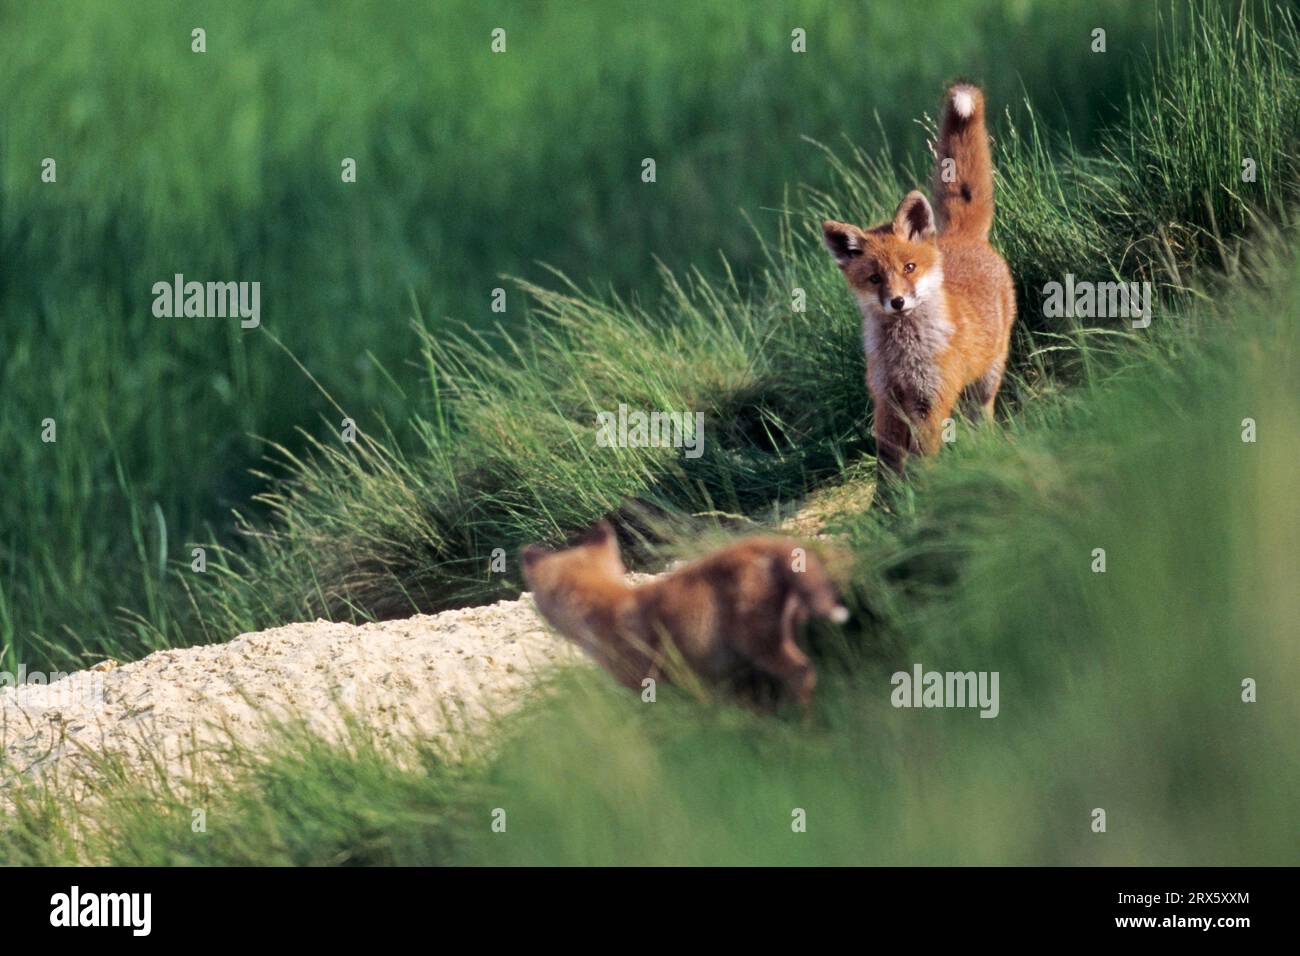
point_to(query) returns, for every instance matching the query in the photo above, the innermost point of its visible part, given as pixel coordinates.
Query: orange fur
(937, 300)
(725, 616)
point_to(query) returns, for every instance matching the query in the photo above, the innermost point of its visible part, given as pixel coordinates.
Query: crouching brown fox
(729, 617)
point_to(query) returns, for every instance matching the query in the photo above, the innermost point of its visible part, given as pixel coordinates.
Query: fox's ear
(606, 538)
(531, 554)
(914, 220)
(600, 535)
(844, 241)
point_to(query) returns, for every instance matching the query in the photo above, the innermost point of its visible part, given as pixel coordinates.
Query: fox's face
(893, 268)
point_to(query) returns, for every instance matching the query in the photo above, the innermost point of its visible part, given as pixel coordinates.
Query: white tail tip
(839, 614)
(963, 102)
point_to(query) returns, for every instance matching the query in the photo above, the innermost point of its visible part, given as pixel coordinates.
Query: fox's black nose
(897, 302)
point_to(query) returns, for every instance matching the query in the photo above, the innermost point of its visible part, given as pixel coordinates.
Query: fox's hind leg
(984, 390)
(980, 395)
(784, 659)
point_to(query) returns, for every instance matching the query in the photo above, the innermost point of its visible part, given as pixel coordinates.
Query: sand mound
(429, 675)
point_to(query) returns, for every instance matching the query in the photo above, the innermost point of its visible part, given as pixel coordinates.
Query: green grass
(1119, 690)
(505, 452)
(226, 165)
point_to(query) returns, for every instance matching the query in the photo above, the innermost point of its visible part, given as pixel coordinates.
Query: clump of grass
(301, 801)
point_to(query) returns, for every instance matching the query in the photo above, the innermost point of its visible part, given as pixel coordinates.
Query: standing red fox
(937, 301)
(724, 616)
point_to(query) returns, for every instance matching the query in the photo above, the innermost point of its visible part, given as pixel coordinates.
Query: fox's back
(729, 595)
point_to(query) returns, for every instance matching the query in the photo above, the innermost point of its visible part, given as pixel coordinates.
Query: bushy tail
(963, 165)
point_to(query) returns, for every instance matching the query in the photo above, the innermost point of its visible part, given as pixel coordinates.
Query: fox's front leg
(926, 417)
(927, 429)
(635, 651)
(893, 438)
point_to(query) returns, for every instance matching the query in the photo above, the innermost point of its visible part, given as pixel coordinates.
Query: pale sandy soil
(429, 676)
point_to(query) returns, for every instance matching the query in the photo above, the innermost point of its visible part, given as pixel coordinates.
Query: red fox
(937, 301)
(725, 616)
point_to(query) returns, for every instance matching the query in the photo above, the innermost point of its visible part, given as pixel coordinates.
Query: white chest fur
(903, 350)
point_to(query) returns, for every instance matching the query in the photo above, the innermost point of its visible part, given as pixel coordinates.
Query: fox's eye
(910, 267)
(875, 280)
